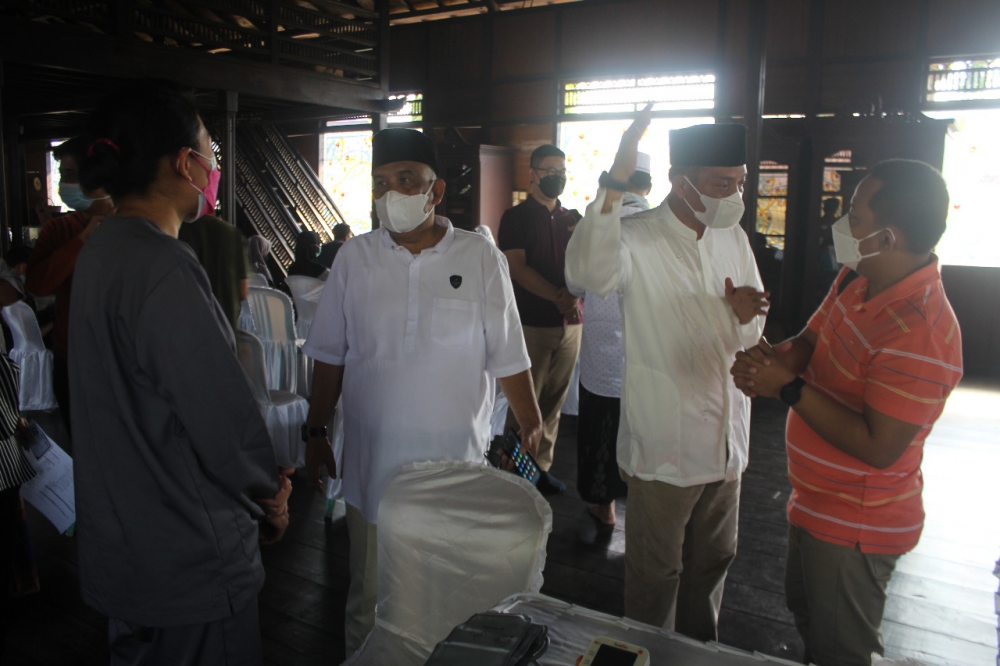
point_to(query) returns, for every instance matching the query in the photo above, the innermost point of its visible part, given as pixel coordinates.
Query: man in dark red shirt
(533, 236)
(50, 268)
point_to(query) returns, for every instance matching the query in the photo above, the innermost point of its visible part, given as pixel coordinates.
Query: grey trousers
(362, 593)
(837, 595)
(679, 543)
(233, 641)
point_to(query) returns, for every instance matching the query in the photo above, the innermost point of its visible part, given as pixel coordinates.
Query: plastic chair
(272, 317)
(245, 321)
(305, 292)
(258, 280)
(454, 539)
(284, 412)
(34, 359)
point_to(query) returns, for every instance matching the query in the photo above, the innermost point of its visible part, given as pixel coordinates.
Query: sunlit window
(412, 111)
(668, 93)
(591, 145)
(772, 203)
(962, 80)
(346, 173)
(972, 170)
(52, 178)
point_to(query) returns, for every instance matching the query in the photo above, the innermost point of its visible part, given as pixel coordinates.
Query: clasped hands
(568, 304)
(275, 521)
(761, 370)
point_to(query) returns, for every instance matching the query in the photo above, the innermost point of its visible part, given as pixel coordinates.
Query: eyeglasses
(562, 173)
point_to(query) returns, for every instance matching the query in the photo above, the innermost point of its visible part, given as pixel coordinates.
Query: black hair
(914, 199)
(17, 255)
(341, 231)
(131, 131)
(540, 153)
(306, 246)
(640, 180)
(75, 148)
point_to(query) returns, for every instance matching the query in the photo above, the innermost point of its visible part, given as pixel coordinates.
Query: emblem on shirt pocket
(456, 281)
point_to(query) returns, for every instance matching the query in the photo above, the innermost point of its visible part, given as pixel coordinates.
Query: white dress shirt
(683, 421)
(422, 339)
(602, 358)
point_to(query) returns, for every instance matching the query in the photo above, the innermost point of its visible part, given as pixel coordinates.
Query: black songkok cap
(720, 145)
(399, 144)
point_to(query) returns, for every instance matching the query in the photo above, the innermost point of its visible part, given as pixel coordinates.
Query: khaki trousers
(553, 352)
(837, 595)
(679, 543)
(359, 616)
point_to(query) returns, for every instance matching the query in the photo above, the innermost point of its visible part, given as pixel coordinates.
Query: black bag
(492, 639)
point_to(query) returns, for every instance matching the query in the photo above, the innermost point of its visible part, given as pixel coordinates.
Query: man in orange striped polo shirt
(866, 380)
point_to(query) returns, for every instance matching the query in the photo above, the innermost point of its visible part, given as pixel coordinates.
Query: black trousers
(597, 476)
(232, 641)
(60, 386)
(10, 517)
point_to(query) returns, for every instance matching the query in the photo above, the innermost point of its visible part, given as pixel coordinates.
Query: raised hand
(628, 149)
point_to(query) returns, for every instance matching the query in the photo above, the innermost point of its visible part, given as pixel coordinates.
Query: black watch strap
(791, 392)
(308, 433)
(606, 181)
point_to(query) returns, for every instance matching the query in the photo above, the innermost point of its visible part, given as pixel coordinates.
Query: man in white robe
(691, 297)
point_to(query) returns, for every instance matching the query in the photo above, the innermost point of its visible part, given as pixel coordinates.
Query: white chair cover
(257, 280)
(34, 359)
(245, 321)
(572, 404)
(454, 539)
(305, 292)
(284, 412)
(272, 317)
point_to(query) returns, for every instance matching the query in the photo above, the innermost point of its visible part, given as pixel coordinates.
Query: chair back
(272, 314)
(306, 292)
(251, 355)
(257, 280)
(245, 320)
(455, 539)
(23, 327)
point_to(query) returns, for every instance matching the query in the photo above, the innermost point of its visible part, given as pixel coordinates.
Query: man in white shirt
(683, 438)
(416, 321)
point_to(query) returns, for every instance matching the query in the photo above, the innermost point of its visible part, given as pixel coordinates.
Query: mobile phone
(524, 463)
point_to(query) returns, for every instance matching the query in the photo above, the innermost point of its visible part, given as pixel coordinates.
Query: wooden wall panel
(524, 138)
(786, 89)
(968, 289)
(730, 89)
(787, 29)
(852, 86)
(408, 58)
(867, 28)
(652, 35)
(737, 18)
(963, 27)
(455, 106)
(533, 99)
(456, 53)
(309, 147)
(524, 45)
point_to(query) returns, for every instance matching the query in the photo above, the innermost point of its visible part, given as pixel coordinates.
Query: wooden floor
(940, 607)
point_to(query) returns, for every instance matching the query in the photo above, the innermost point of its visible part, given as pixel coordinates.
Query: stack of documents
(51, 491)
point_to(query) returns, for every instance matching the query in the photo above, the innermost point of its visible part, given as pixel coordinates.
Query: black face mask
(552, 186)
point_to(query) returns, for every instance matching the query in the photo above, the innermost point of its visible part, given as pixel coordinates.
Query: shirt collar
(675, 225)
(535, 203)
(917, 281)
(442, 245)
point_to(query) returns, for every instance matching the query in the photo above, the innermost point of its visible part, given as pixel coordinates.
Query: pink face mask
(206, 197)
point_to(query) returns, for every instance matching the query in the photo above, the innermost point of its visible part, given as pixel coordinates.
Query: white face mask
(847, 247)
(719, 213)
(400, 213)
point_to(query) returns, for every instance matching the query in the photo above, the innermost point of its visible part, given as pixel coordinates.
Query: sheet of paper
(51, 491)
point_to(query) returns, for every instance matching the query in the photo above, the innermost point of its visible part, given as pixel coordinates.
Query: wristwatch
(606, 181)
(308, 433)
(791, 392)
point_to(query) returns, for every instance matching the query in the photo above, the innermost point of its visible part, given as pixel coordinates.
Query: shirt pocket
(454, 322)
